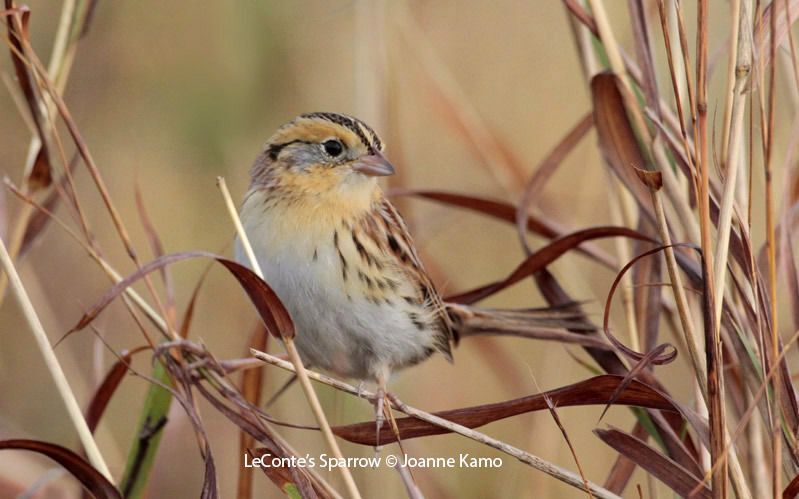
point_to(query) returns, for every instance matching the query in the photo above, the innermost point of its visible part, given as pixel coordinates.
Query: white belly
(337, 329)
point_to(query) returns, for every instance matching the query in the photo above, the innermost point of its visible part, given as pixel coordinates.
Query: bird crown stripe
(355, 126)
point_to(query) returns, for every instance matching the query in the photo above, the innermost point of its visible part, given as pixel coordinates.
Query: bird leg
(380, 408)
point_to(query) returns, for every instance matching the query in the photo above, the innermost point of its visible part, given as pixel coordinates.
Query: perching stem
(291, 349)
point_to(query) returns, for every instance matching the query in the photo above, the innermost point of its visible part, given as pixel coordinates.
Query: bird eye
(333, 147)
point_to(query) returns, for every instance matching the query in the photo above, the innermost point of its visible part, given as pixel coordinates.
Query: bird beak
(373, 165)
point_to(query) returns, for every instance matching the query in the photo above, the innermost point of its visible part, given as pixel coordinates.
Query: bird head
(321, 153)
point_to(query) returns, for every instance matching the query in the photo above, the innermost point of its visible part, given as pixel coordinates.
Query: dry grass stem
(53, 366)
(624, 217)
(686, 318)
(733, 153)
(291, 349)
(62, 55)
(553, 470)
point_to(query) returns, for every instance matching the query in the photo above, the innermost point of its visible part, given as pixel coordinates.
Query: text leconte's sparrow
(339, 256)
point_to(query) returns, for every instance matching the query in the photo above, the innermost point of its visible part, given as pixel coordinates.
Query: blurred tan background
(173, 94)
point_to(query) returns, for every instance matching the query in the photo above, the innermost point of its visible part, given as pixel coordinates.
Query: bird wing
(401, 246)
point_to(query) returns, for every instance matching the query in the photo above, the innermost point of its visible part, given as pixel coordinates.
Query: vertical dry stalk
(291, 349)
(583, 39)
(678, 77)
(53, 366)
(686, 62)
(676, 69)
(691, 342)
(732, 70)
(681, 85)
(620, 215)
(715, 385)
(617, 65)
(776, 423)
(739, 481)
(733, 154)
(58, 68)
(680, 74)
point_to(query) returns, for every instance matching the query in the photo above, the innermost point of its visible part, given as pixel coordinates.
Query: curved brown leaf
(188, 314)
(491, 207)
(40, 174)
(661, 467)
(617, 140)
(40, 219)
(505, 212)
(647, 359)
(623, 469)
(156, 246)
(92, 480)
(658, 359)
(272, 312)
(792, 490)
(545, 169)
(545, 256)
(593, 391)
(102, 396)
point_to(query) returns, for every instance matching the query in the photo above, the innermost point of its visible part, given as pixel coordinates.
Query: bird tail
(542, 323)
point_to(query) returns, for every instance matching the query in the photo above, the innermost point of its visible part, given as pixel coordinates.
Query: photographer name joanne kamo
(328, 462)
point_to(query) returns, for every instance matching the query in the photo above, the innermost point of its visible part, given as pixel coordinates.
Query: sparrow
(340, 257)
